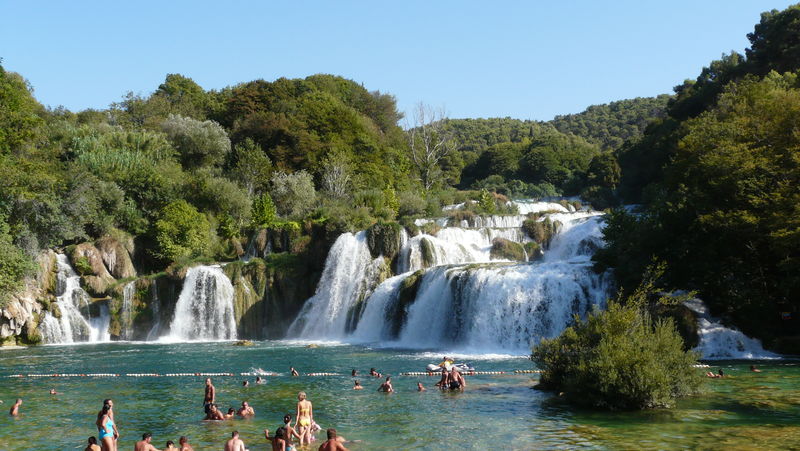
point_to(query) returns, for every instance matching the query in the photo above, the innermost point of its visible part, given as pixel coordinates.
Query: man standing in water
(210, 396)
(15, 408)
(144, 443)
(332, 444)
(457, 381)
(385, 387)
(234, 444)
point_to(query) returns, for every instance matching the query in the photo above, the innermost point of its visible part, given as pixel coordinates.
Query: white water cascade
(75, 323)
(204, 310)
(718, 342)
(126, 312)
(465, 298)
(348, 277)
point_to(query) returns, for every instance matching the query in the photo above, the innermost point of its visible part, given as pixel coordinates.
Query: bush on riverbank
(619, 359)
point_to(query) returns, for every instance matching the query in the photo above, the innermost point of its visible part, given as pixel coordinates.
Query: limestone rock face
(19, 317)
(116, 258)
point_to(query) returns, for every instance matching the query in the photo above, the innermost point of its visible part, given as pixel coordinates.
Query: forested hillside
(719, 177)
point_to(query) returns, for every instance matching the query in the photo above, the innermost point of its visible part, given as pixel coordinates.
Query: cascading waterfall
(464, 297)
(126, 312)
(348, 277)
(204, 310)
(75, 323)
(720, 342)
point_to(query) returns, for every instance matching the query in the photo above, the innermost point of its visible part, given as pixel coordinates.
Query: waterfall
(720, 342)
(204, 310)
(463, 297)
(347, 278)
(126, 313)
(75, 323)
(155, 305)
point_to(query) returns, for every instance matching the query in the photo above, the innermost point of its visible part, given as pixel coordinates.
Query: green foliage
(294, 194)
(19, 112)
(619, 359)
(14, 264)
(181, 232)
(486, 202)
(199, 143)
(263, 213)
(610, 125)
(252, 168)
(83, 266)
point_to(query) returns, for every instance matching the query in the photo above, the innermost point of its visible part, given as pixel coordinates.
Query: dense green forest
(189, 173)
(719, 180)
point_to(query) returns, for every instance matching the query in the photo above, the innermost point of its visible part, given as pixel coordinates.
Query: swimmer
(144, 443)
(234, 444)
(210, 395)
(332, 444)
(457, 381)
(386, 387)
(105, 426)
(231, 413)
(246, 410)
(260, 381)
(184, 443)
(278, 442)
(420, 387)
(357, 386)
(304, 417)
(54, 392)
(14, 411)
(754, 369)
(93, 446)
(170, 446)
(354, 373)
(214, 414)
(289, 432)
(245, 384)
(294, 372)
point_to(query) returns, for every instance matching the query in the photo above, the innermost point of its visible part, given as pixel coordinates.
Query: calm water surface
(745, 410)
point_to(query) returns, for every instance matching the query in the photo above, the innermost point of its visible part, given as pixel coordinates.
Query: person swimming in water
(246, 410)
(260, 381)
(93, 446)
(145, 443)
(333, 443)
(357, 385)
(235, 443)
(184, 443)
(214, 414)
(294, 372)
(420, 387)
(14, 411)
(231, 413)
(304, 417)
(170, 446)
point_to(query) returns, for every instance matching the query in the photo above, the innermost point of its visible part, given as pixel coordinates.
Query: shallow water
(745, 410)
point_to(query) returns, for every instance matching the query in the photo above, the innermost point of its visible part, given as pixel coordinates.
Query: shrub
(200, 143)
(619, 359)
(182, 231)
(294, 193)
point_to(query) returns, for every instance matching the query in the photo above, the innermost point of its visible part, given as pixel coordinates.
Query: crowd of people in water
(296, 431)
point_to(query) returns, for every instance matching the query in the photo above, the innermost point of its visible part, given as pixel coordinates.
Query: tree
(18, 111)
(181, 232)
(263, 213)
(429, 141)
(336, 174)
(253, 167)
(200, 143)
(294, 193)
(14, 264)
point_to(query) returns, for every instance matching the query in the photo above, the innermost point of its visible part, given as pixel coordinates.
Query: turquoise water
(755, 410)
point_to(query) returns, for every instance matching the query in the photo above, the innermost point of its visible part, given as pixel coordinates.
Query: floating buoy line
(271, 374)
(407, 373)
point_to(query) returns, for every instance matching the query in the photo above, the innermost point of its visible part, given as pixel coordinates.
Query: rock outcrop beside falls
(19, 318)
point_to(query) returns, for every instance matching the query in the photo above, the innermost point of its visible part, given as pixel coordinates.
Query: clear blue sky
(525, 59)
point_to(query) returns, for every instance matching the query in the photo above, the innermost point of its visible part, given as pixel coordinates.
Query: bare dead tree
(429, 142)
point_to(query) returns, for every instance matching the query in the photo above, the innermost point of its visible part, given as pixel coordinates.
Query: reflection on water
(750, 410)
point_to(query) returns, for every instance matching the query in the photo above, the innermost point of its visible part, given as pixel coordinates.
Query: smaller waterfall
(155, 305)
(204, 310)
(126, 312)
(346, 280)
(73, 303)
(718, 342)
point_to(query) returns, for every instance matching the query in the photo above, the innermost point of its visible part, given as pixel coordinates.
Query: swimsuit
(103, 431)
